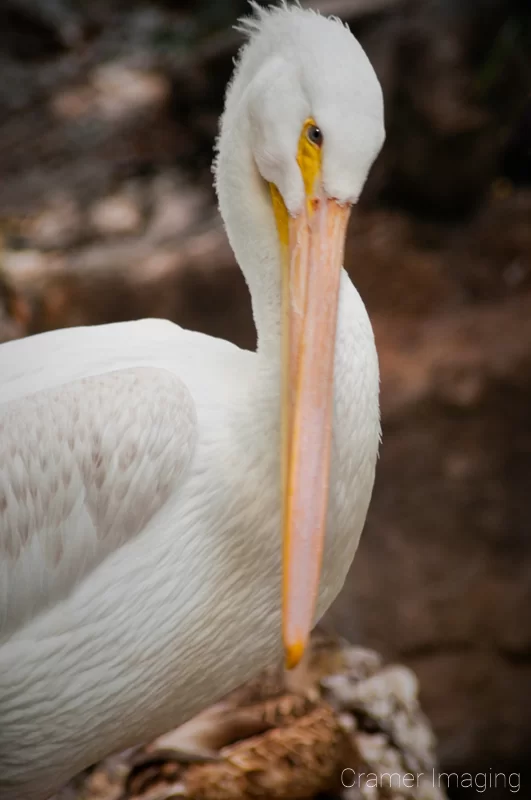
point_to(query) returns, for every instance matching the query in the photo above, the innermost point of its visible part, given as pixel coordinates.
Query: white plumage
(140, 492)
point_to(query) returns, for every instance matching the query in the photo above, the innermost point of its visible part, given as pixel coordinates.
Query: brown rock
(348, 723)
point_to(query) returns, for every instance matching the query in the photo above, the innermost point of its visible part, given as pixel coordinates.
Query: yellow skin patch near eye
(309, 161)
(281, 215)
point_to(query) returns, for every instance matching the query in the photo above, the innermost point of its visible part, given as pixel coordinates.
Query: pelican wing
(83, 469)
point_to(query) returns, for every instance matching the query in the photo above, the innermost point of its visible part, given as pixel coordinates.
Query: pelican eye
(315, 135)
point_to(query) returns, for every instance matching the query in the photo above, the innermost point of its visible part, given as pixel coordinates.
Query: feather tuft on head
(251, 24)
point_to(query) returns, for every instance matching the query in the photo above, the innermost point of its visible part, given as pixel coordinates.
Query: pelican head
(302, 126)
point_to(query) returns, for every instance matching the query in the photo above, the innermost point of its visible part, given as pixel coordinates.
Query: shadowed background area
(108, 112)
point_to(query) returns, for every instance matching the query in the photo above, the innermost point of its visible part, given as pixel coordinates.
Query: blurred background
(108, 111)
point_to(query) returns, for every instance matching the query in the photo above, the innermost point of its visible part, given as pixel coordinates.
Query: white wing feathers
(83, 468)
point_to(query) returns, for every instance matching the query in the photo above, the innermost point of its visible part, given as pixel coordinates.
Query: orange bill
(311, 277)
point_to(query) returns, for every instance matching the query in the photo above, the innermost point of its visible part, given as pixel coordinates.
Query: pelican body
(174, 511)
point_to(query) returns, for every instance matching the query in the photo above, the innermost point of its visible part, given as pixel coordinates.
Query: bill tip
(293, 654)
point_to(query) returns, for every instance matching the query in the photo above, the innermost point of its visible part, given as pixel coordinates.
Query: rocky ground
(342, 726)
(107, 120)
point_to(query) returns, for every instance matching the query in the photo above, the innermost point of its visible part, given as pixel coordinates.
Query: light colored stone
(116, 215)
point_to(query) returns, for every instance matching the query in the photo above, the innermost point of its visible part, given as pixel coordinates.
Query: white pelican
(147, 486)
